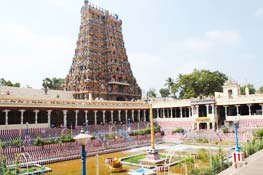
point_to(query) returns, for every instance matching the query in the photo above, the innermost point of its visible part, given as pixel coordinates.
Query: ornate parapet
(12, 101)
(243, 99)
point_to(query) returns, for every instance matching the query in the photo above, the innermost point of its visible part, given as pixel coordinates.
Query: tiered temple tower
(100, 67)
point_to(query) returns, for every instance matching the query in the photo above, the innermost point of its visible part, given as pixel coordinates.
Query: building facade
(24, 107)
(211, 113)
(59, 109)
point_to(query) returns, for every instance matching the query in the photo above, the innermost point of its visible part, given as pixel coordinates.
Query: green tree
(151, 93)
(54, 83)
(4, 82)
(174, 89)
(200, 83)
(261, 89)
(164, 92)
(169, 83)
(251, 89)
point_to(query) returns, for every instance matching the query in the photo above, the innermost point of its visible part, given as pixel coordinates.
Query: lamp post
(129, 125)
(236, 125)
(83, 138)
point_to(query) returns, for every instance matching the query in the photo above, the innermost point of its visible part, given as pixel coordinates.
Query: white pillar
(237, 106)
(197, 126)
(95, 117)
(207, 110)
(171, 116)
(86, 117)
(157, 112)
(261, 109)
(22, 116)
(213, 109)
(192, 111)
(181, 112)
(225, 111)
(213, 125)
(6, 116)
(119, 115)
(163, 113)
(189, 112)
(103, 116)
(197, 112)
(126, 116)
(111, 116)
(76, 118)
(132, 115)
(49, 117)
(65, 117)
(139, 115)
(36, 112)
(144, 115)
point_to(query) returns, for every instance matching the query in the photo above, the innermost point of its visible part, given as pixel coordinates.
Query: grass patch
(135, 159)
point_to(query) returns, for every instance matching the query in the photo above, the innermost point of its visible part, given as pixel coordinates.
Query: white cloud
(259, 12)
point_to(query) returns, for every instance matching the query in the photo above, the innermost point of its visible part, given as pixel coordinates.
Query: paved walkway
(254, 166)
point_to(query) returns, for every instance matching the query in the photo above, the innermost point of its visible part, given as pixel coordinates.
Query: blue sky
(163, 38)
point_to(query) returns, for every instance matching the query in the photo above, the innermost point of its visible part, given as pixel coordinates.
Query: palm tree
(169, 83)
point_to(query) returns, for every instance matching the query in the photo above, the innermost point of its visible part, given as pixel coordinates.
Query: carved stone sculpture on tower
(100, 67)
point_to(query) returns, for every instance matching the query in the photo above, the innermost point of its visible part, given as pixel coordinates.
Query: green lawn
(135, 159)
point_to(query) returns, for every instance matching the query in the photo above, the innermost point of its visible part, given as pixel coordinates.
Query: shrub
(39, 141)
(16, 142)
(67, 138)
(202, 140)
(93, 137)
(203, 154)
(259, 133)
(148, 131)
(110, 136)
(178, 130)
(3, 145)
(157, 129)
(225, 130)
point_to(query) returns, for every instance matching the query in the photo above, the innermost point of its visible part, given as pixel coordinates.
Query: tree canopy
(251, 89)
(169, 83)
(172, 86)
(261, 89)
(54, 83)
(151, 93)
(199, 83)
(164, 92)
(4, 82)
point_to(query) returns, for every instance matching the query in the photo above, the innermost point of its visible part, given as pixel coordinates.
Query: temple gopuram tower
(100, 67)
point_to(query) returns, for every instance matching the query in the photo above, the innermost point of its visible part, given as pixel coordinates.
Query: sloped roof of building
(34, 93)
